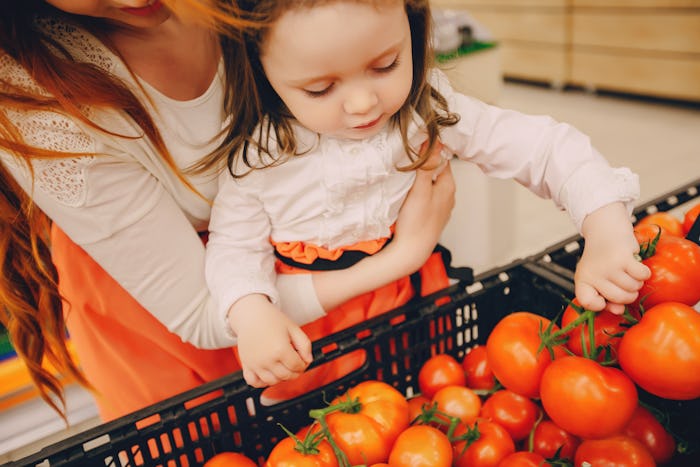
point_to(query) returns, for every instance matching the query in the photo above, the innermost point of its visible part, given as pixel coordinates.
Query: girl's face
(342, 68)
(130, 13)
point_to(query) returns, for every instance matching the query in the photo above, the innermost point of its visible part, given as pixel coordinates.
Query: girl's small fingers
(627, 282)
(612, 293)
(266, 378)
(588, 297)
(638, 270)
(615, 308)
(252, 379)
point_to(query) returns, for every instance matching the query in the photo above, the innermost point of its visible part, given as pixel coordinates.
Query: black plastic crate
(178, 432)
(563, 256)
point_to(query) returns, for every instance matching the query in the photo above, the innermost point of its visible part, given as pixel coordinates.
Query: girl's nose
(360, 101)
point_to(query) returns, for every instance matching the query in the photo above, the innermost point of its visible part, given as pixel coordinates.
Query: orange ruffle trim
(306, 253)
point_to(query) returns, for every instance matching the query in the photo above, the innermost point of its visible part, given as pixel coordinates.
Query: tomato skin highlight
(230, 459)
(516, 413)
(689, 218)
(477, 369)
(661, 353)
(614, 451)
(366, 436)
(439, 371)
(513, 352)
(458, 401)
(494, 444)
(645, 428)
(284, 454)
(669, 223)
(549, 438)
(587, 399)
(675, 273)
(421, 446)
(523, 459)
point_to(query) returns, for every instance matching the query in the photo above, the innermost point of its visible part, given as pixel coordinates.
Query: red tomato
(230, 459)
(669, 223)
(287, 453)
(549, 438)
(477, 369)
(523, 459)
(458, 401)
(492, 446)
(675, 273)
(368, 429)
(646, 233)
(606, 326)
(421, 446)
(587, 399)
(614, 451)
(516, 413)
(645, 428)
(661, 353)
(513, 352)
(439, 371)
(415, 406)
(689, 218)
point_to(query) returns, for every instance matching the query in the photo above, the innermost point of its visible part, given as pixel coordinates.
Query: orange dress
(130, 358)
(134, 361)
(431, 278)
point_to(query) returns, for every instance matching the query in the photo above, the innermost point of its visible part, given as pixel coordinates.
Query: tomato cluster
(539, 392)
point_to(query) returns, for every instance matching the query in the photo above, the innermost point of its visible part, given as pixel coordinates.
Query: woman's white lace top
(121, 203)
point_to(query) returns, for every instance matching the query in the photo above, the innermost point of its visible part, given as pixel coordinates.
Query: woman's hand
(423, 216)
(608, 276)
(270, 346)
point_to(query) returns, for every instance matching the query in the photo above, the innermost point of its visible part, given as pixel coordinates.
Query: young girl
(104, 104)
(338, 106)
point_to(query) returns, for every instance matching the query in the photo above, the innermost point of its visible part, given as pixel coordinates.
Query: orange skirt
(433, 277)
(133, 361)
(130, 358)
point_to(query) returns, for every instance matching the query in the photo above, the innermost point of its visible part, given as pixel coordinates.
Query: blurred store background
(626, 72)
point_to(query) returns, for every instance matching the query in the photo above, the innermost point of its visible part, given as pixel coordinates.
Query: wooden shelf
(647, 47)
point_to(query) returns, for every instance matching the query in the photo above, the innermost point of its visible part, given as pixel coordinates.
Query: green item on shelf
(5, 345)
(465, 49)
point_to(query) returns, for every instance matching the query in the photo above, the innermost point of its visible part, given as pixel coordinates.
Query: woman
(105, 105)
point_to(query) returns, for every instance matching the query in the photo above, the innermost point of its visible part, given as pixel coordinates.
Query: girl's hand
(270, 346)
(608, 276)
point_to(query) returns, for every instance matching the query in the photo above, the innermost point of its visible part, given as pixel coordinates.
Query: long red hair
(32, 306)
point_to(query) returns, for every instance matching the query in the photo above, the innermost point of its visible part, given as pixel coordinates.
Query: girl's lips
(369, 125)
(146, 10)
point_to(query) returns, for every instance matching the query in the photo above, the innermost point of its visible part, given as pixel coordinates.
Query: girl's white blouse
(340, 192)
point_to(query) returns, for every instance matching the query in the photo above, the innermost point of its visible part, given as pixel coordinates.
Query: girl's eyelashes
(323, 92)
(318, 93)
(388, 68)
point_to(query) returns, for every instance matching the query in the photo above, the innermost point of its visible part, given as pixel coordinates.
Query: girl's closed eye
(318, 92)
(388, 68)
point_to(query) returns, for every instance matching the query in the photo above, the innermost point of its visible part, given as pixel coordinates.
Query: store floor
(496, 222)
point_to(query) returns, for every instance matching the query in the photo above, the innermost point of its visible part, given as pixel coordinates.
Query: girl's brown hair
(251, 100)
(31, 303)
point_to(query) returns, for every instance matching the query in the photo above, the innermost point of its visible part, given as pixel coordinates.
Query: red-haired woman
(104, 106)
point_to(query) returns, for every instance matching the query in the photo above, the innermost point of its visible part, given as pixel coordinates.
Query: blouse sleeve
(127, 222)
(239, 256)
(552, 159)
